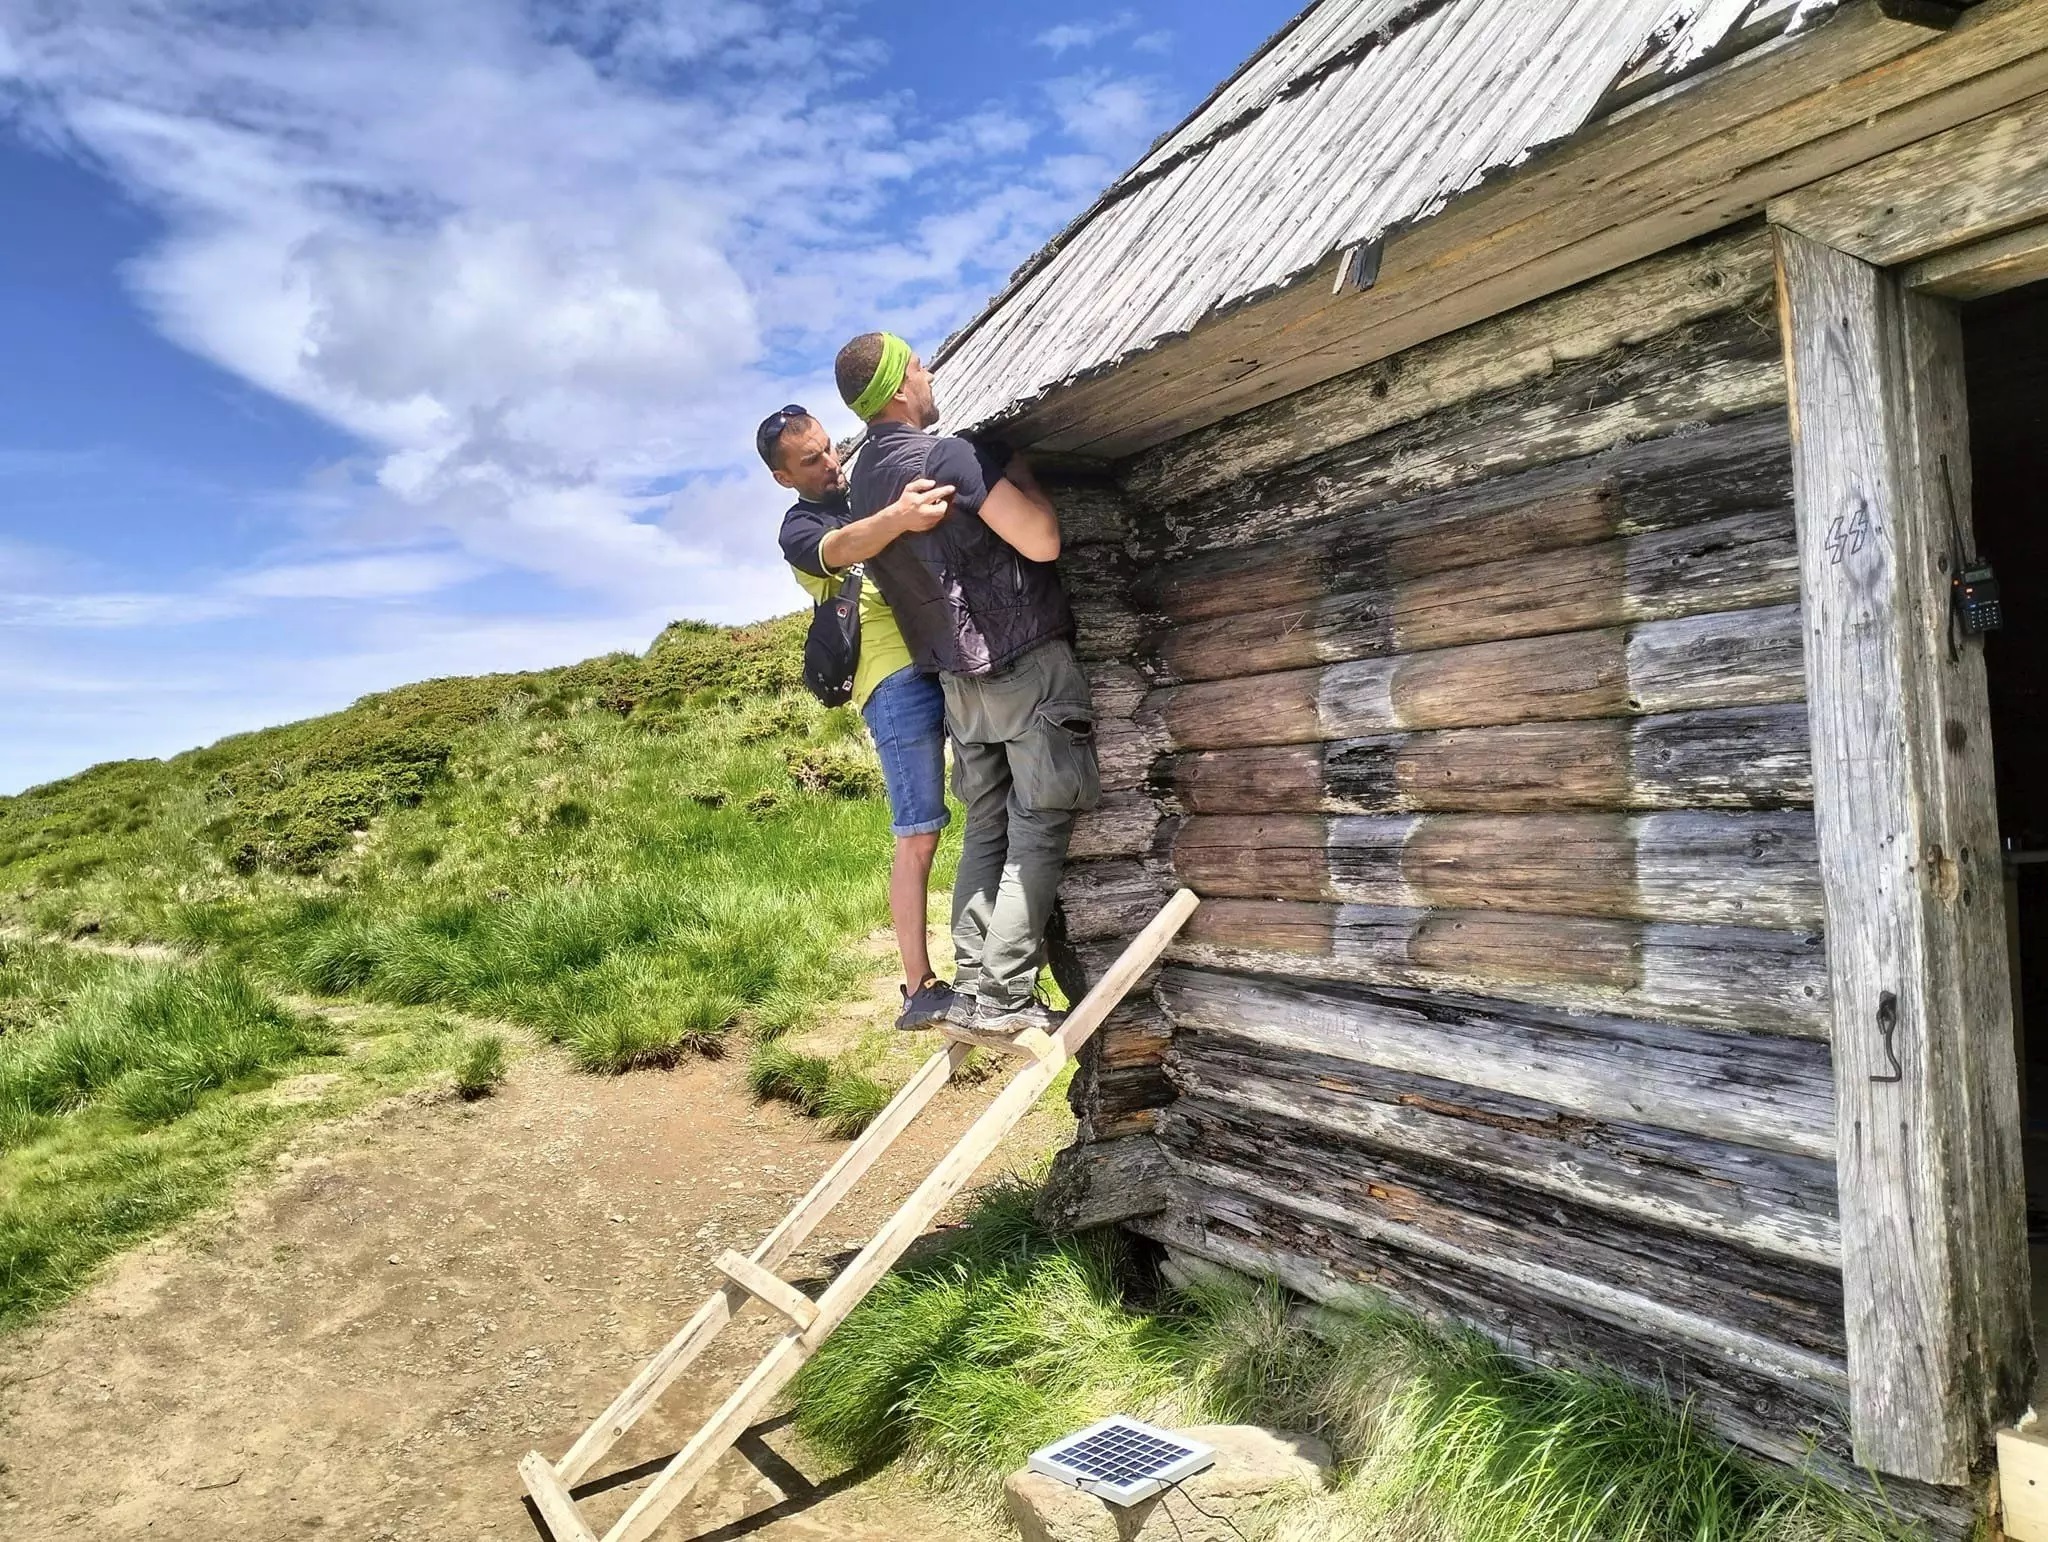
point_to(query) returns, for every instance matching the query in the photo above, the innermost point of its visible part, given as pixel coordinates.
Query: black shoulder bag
(832, 647)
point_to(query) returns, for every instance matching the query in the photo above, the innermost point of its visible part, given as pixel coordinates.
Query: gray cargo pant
(1024, 765)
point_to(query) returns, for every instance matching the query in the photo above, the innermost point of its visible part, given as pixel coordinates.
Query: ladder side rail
(710, 1319)
(673, 1484)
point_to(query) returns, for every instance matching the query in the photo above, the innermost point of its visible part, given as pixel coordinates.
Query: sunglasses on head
(771, 428)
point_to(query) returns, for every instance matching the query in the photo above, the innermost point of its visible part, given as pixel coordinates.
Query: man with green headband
(980, 603)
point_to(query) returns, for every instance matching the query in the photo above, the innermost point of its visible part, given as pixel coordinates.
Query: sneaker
(989, 1017)
(931, 1002)
(961, 1013)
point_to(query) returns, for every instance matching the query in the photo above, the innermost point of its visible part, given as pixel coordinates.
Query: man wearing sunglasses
(979, 601)
(904, 709)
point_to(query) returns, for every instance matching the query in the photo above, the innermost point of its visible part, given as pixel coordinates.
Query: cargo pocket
(1055, 760)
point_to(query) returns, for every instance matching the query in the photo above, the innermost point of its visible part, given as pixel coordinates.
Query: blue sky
(342, 346)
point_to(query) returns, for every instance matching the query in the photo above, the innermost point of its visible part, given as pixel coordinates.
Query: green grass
(132, 1092)
(965, 1360)
(481, 1070)
(635, 856)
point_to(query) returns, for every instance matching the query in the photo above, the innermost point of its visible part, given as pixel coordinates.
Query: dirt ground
(367, 1342)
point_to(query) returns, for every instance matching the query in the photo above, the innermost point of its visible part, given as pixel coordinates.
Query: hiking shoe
(989, 1017)
(961, 1013)
(931, 1002)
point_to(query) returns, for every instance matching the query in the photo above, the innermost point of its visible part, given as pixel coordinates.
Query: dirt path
(366, 1344)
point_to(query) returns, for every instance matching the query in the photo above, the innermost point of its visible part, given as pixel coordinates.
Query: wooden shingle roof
(1359, 118)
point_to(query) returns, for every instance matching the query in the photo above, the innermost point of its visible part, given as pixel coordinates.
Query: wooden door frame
(1871, 267)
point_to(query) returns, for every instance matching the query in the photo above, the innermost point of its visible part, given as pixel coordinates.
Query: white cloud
(547, 265)
(386, 576)
(1085, 34)
(524, 261)
(1115, 114)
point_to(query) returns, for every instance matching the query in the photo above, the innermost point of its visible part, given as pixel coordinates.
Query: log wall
(1481, 731)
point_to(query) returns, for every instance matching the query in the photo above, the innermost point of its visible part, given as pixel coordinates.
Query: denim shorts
(907, 717)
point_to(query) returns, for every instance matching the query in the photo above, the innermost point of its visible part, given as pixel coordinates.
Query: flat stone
(1253, 1466)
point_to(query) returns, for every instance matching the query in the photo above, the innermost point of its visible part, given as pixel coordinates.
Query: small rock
(392, 1259)
(1253, 1465)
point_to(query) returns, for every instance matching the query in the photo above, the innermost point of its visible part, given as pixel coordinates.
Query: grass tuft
(481, 1070)
(1002, 1338)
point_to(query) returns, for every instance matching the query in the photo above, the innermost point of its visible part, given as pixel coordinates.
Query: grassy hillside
(638, 856)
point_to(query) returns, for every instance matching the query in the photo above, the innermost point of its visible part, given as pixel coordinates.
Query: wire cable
(1175, 1485)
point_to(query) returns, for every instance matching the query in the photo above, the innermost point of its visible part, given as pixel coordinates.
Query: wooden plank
(675, 1357)
(768, 1288)
(673, 1484)
(1665, 1278)
(1742, 562)
(564, 1521)
(1972, 183)
(1621, 309)
(1780, 1415)
(1748, 1089)
(1346, 541)
(1031, 1044)
(1986, 267)
(1737, 757)
(1704, 158)
(1771, 1201)
(1934, 1236)
(1751, 869)
(1737, 977)
(1726, 659)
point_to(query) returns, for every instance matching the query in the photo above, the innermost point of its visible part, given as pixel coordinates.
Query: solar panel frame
(1122, 1459)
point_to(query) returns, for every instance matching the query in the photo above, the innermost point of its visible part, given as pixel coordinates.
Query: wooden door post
(1934, 1256)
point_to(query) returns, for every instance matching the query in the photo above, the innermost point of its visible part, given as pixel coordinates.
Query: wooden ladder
(810, 1323)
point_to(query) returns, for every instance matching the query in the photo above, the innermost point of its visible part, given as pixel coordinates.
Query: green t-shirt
(882, 648)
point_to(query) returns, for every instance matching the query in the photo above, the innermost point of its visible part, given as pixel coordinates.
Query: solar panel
(1122, 1460)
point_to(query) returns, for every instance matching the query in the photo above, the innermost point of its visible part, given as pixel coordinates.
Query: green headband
(889, 373)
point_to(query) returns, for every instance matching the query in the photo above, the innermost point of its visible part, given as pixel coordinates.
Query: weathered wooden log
(1411, 1201)
(1127, 823)
(1741, 562)
(1737, 977)
(1769, 1200)
(1739, 467)
(1103, 1183)
(1116, 688)
(1741, 757)
(1749, 869)
(1767, 1405)
(1111, 899)
(1727, 659)
(1684, 285)
(1694, 375)
(1759, 1090)
(1091, 510)
(1127, 752)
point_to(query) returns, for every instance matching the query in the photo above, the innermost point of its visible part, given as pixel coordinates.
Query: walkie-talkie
(1974, 607)
(1976, 600)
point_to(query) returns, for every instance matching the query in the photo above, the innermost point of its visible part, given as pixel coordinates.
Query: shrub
(839, 769)
(481, 1070)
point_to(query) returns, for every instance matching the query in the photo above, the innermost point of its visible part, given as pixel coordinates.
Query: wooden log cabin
(1516, 456)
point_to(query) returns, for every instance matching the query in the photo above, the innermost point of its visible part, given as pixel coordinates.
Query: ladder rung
(1030, 1043)
(553, 1501)
(769, 1288)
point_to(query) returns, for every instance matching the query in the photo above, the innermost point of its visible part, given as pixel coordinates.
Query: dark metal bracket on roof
(1359, 268)
(1938, 14)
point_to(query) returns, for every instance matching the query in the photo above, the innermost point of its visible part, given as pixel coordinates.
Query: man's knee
(917, 850)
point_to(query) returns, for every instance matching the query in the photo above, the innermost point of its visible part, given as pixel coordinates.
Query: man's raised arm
(1018, 510)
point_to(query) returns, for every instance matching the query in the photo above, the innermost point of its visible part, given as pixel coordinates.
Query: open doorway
(2006, 351)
